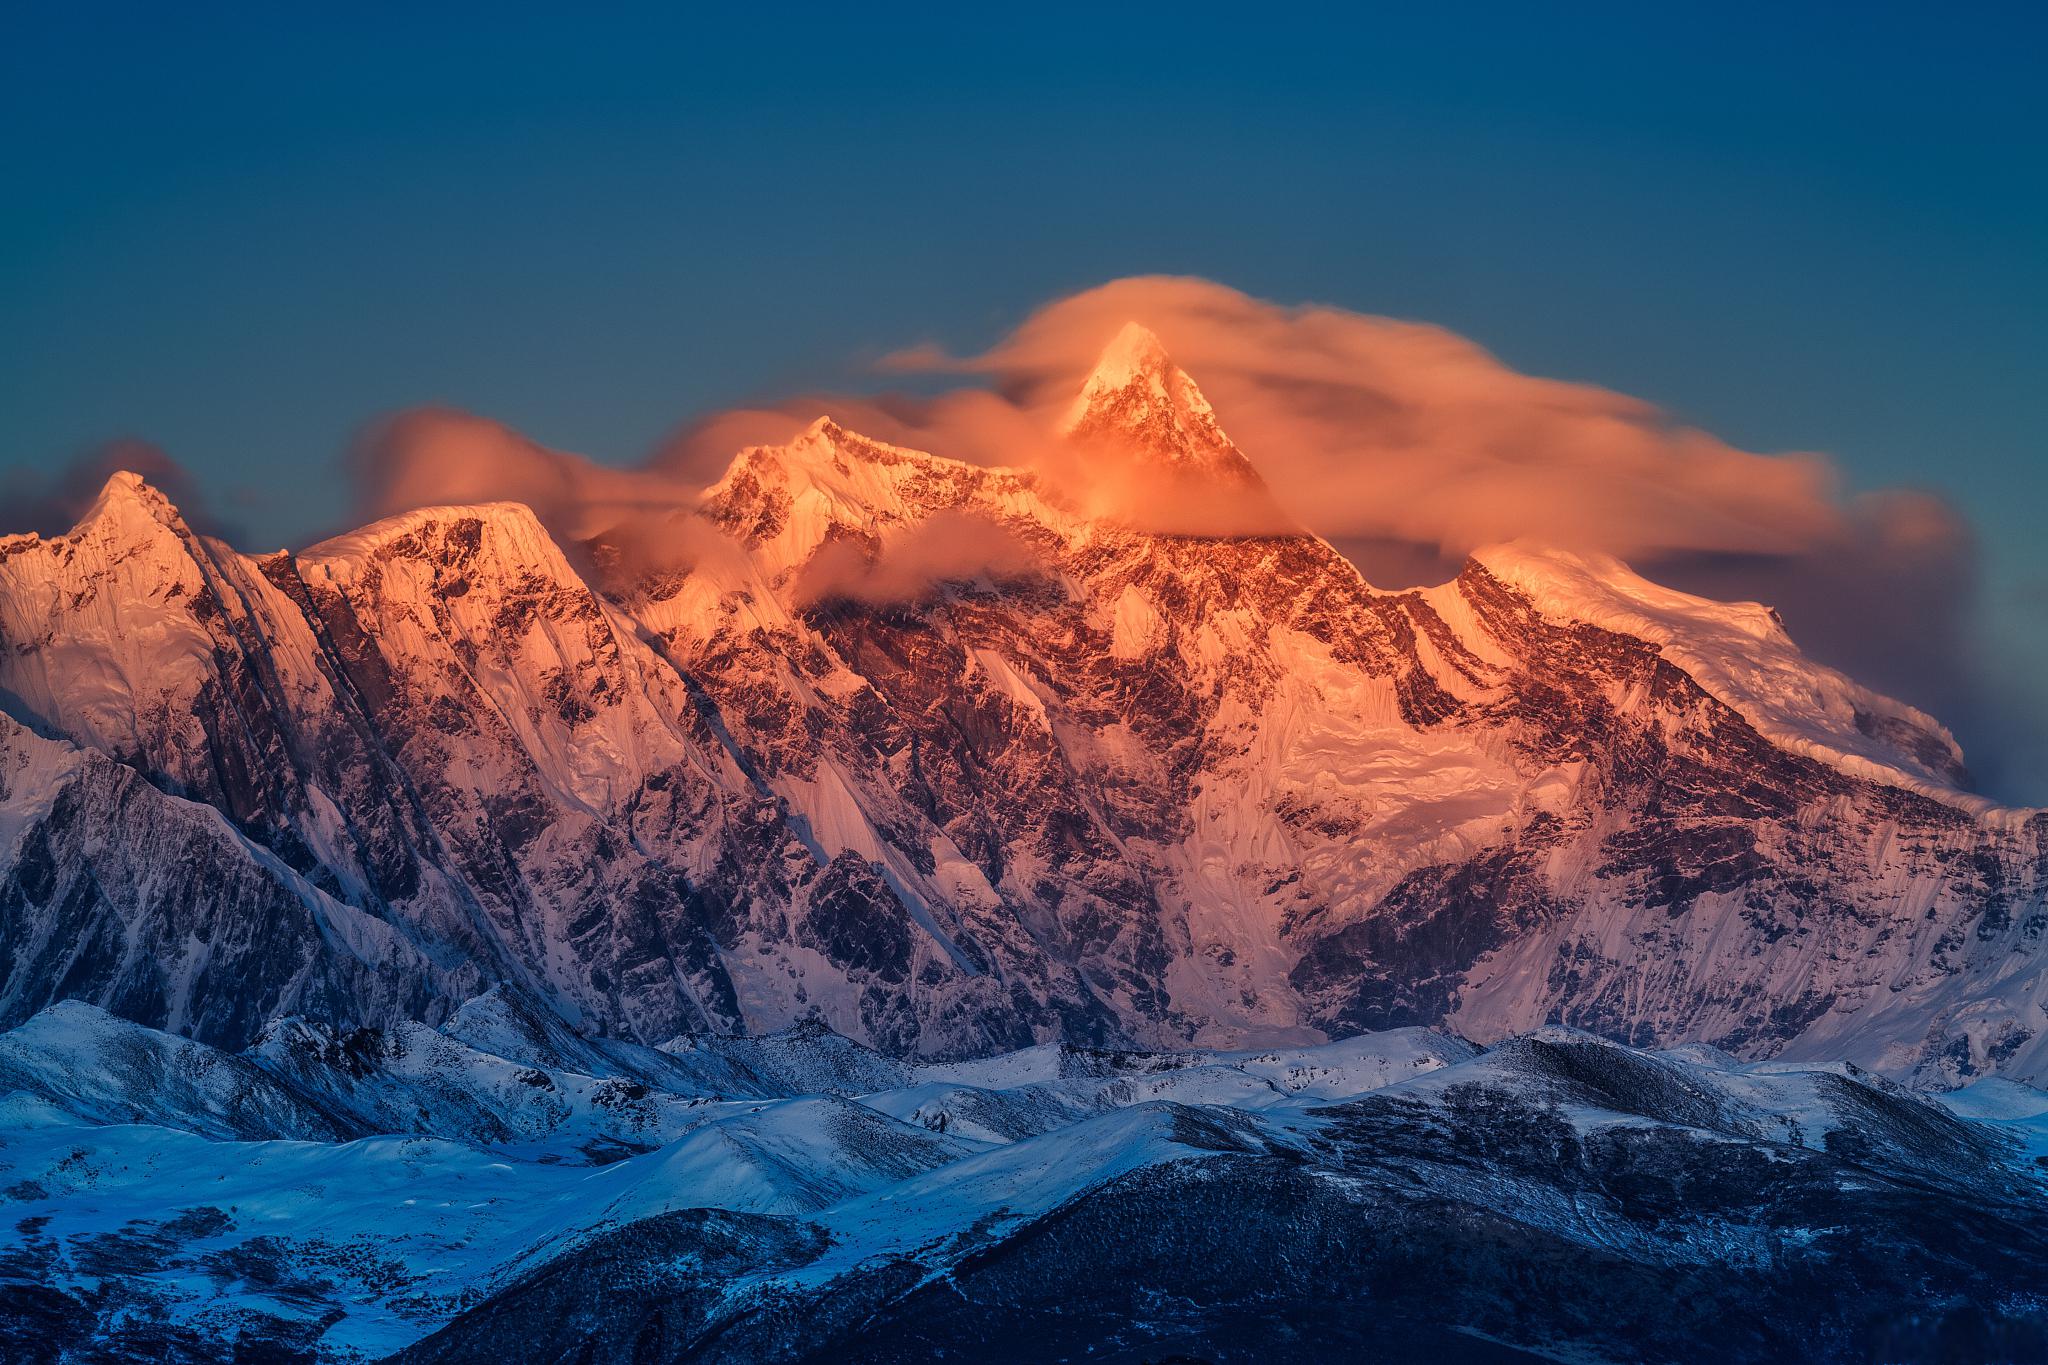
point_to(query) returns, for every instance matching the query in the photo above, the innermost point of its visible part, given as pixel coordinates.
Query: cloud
(615, 523)
(427, 457)
(1405, 444)
(1367, 427)
(951, 547)
(53, 503)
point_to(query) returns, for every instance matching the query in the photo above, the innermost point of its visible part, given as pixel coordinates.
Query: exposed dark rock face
(648, 1292)
(1427, 931)
(160, 911)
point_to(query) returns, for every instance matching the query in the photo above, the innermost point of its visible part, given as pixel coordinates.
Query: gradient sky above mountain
(242, 237)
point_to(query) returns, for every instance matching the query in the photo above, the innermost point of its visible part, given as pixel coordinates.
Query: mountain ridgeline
(1121, 785)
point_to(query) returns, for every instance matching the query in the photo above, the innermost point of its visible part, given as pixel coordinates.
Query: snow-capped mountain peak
(127, 513)
(126, 494)
(1135, 355)
(1137, 403)
(108, 622)
(783, 502)
(510, 530)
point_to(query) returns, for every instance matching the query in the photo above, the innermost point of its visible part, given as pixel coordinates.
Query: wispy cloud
(950, 547)
(52, 503)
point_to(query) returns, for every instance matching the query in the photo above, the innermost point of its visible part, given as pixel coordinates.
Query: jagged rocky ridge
(1140, 788)
(798, 1197)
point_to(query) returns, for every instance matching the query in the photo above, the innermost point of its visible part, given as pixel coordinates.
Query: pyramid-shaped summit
(1137, 402)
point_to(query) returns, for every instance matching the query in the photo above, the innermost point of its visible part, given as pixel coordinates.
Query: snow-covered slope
(782, 1156)
(93, 1067)
(1378, 1194)
(1739, 652)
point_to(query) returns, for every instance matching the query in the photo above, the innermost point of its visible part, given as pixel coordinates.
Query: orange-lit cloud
(1366, 429)
(1369, 427)
(428, 457)
(1403, 443)
(947, 548)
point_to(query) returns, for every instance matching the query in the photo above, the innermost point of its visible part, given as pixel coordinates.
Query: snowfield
(160, 1195)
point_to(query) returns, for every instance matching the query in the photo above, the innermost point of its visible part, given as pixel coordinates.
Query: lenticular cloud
(1367, 426)
(1364, 427)
(1405, 444)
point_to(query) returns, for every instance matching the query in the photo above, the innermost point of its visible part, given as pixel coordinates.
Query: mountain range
(894, 906)
(957, 759)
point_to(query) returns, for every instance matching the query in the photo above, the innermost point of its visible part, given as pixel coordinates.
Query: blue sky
(242, 234)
